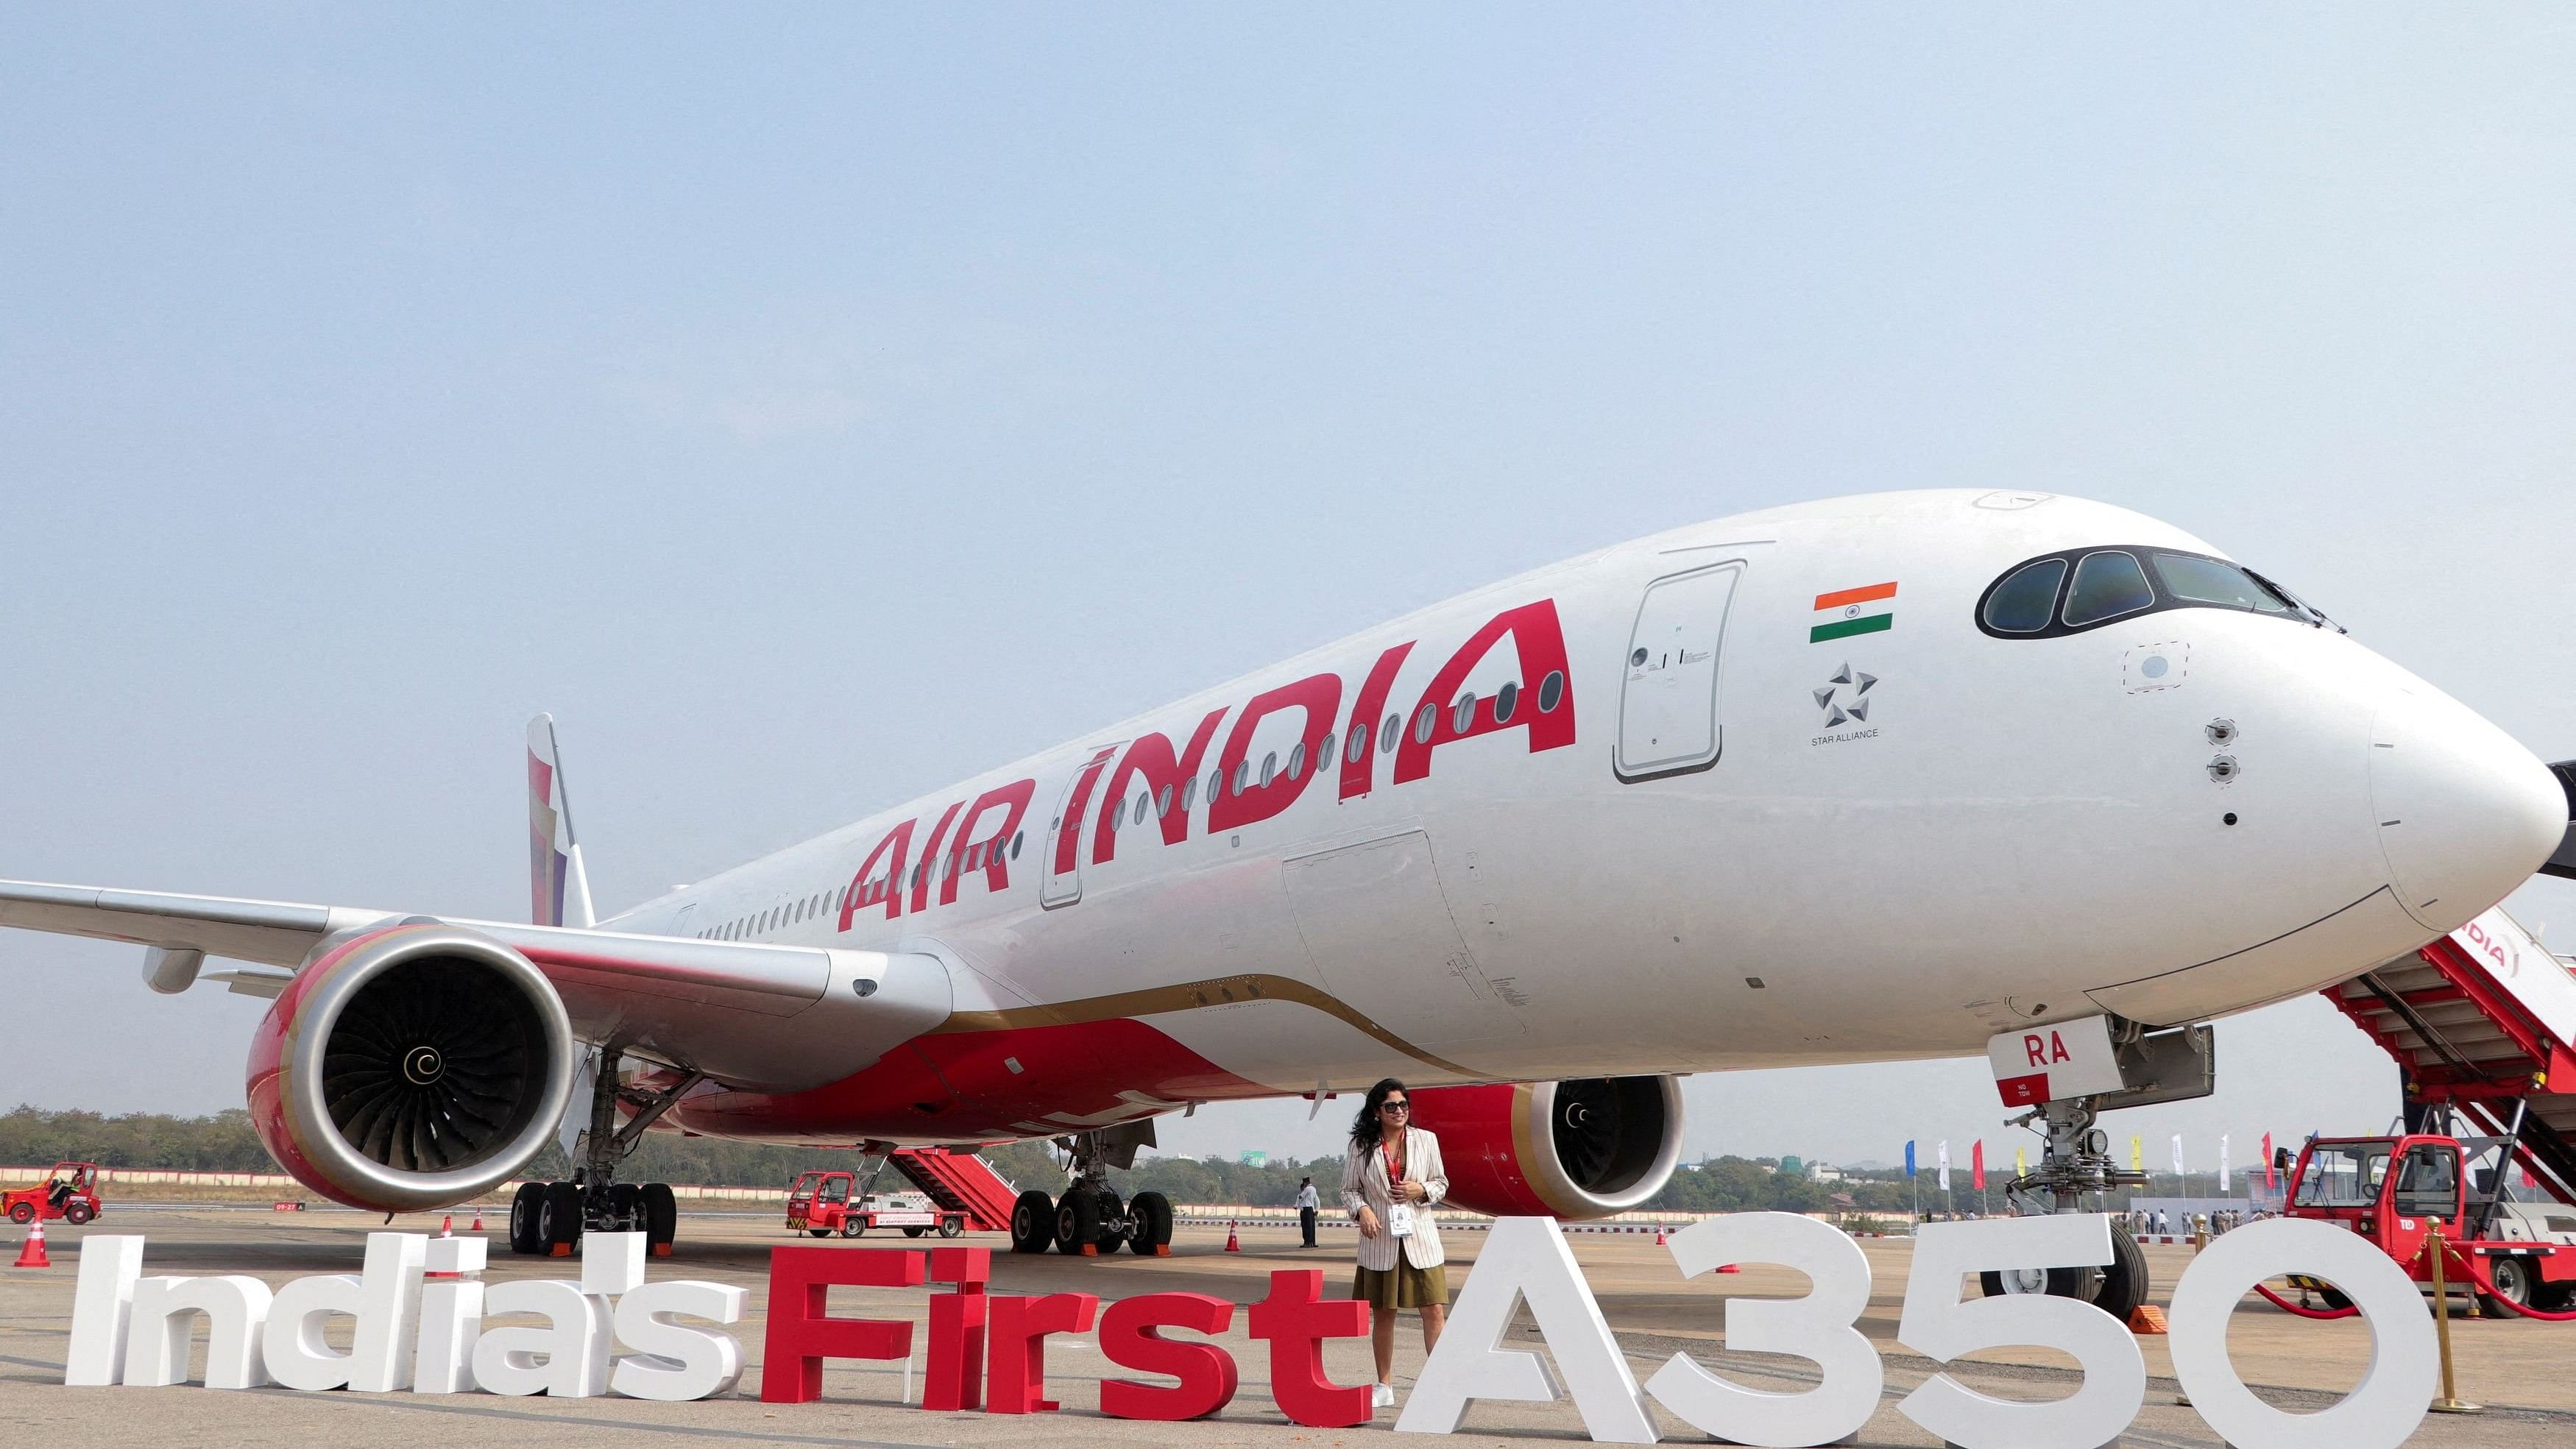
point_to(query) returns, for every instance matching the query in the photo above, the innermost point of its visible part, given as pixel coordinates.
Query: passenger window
(1357, 749)
(1242, 776)
(1189, 794)
(1423, 722)
(974, 855)
(2208, 581)
(1504, 698)
(1297, 762)
(2024, 602)
(1465, 714)
(2107, 585)
(1386, 736)
(1551, 690)
(1163, 803)
(1269, 767)
(1016, 838)
(1324, 751)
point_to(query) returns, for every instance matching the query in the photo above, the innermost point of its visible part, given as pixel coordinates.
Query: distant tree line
(226, 1142)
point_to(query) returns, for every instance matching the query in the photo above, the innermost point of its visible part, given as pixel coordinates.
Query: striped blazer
(1364, 1184)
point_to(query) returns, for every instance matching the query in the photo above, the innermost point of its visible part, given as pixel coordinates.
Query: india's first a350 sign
(419, 1326)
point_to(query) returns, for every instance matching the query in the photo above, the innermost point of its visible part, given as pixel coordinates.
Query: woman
(1389, 1182)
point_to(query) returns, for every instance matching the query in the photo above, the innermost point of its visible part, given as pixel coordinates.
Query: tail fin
(558, 889)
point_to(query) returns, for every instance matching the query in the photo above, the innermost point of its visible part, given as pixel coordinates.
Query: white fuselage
(2007, 830)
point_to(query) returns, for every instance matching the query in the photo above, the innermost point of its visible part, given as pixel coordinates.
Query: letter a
(2059, 1044)
(1525, 1260)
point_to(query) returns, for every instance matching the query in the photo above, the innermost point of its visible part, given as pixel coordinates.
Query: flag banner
(2179, 1169)
(2021, 1163)
(1909, 1157)
(2137, 1153)
(1943, 1165)
(1845, 612)
(2271, 1174)
(2222, 1166)
(1977, 1165)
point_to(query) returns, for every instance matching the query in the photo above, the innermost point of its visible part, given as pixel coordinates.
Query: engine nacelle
(1582, 1148)
(411, 1068)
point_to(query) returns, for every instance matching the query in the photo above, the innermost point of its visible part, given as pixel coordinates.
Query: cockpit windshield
(2085, 588)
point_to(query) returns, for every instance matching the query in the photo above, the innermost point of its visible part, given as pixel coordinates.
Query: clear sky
(814, 406)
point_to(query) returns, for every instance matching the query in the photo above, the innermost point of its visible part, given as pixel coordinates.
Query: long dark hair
(1366, 1130)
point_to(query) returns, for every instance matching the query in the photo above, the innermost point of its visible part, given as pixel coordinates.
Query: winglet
(558, 888)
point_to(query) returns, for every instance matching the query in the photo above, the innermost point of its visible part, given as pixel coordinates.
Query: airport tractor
(68, 1194)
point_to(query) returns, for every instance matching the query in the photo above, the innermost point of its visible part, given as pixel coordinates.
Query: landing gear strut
(2075, 1160)
(1089, 1219)
(550, 1217)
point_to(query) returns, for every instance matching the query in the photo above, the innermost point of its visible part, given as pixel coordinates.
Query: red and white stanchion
(1233, 1244)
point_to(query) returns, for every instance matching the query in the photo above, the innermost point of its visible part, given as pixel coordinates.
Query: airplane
(1874, 778)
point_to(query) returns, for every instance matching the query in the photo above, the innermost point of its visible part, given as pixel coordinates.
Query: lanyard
(1394, 1165)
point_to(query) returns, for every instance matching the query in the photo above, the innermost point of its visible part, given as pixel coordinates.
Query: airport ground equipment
(69, 1194)
(1088, 1219)
(834, 1203)
(2517, 1256)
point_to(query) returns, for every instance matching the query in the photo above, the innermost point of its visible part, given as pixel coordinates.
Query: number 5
(1940, 1327)
(1817, 1327)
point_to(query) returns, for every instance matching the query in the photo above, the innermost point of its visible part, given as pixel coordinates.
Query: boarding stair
(2480, 1022)
(960, 1180)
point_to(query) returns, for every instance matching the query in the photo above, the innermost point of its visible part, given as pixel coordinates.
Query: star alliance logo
(1854, 706)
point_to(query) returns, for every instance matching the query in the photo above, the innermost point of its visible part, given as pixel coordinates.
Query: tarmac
(2518, 1369)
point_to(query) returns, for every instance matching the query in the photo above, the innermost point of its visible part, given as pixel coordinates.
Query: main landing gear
(1089, 1219)
(549, 1218)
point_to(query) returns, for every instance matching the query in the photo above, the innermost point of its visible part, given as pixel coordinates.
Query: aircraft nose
(2465, 813)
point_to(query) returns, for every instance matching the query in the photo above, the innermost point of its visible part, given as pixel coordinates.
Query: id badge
(1399, 1220)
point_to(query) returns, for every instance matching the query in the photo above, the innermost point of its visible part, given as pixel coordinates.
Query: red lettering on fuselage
(1359, 756)
(930, 858)
(1539, 643)
(1151, 757)
(897, 841)
(1240, 802)
(1068, 828)
(1013, 801)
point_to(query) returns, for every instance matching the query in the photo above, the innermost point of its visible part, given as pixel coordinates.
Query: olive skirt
(1402, 1286)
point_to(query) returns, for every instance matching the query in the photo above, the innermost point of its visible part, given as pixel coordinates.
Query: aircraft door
(1064, 846)
(1668, 697)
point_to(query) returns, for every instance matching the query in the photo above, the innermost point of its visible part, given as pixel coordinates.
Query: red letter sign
(1539, 645)
(956, 1378)
(1240, 802)
(1296, 1319)
(1017, 1328)
(1205, 1371)
(801, 1336)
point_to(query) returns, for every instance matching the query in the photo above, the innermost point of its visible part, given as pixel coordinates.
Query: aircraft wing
(778, 1017)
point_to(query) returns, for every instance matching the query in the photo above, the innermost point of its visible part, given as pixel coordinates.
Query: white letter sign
(1817, 1327)
(1940, 1327)
(1526, 1260)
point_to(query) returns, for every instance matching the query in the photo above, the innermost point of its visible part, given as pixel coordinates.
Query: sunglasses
(1395, 1106)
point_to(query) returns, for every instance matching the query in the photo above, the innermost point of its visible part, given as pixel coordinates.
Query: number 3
(1817, 1327)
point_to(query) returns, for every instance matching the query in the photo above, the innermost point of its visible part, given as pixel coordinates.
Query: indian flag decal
(1845, 612)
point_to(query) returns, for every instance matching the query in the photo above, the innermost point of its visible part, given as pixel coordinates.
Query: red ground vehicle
(2391, 1190)
(68, 1193)
(825, 1203)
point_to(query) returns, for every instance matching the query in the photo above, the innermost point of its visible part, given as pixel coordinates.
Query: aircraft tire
(1032, 1222)
(2125, 1283)
(524, 1237)
(661, 1215)
(2062, 1283)
(1152, 1215)
(1077, 1222)
(559, 1216)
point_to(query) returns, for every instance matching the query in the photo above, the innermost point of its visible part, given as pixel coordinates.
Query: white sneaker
(1382, 1396)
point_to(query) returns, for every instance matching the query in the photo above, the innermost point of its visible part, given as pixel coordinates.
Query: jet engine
(1580, 1148)
(411, 1068)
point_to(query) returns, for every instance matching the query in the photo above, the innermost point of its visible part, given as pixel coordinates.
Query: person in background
(1308, 1203)
(1389, 1182)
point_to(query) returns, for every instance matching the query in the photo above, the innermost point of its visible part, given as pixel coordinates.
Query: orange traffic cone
(1659, 1235)
(447, 1226)
(478, 1221)
(33, 1255)
(1232, 1243)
